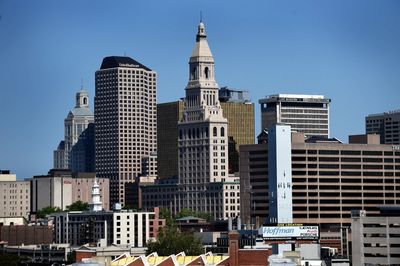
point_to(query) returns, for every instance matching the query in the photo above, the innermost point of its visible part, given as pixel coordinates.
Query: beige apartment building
(125, 121)
(15, 196)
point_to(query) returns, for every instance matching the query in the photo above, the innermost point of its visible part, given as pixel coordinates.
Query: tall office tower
(168, 115)
(126, 121)
(308, 114)
(75, 129)
(203, 182)
(239, 112)
(203, 131)
(386, 124)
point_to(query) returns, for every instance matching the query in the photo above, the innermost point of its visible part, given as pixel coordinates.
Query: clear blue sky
(348, 51)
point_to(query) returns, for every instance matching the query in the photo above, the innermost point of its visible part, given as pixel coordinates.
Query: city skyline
(347, 52)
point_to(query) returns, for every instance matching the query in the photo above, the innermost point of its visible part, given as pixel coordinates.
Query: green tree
(171, 240)
(47, 210)
(78, 206)
(189, 212)
(167, 215)
(185, 212)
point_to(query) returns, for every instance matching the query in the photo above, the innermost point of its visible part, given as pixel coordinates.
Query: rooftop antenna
(81, 83)
(201, 17)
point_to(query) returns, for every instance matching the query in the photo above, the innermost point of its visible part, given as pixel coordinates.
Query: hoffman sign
(290, 232)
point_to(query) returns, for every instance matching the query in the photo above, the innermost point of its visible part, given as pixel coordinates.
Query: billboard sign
(290, 232)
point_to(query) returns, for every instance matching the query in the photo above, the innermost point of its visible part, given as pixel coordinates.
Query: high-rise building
(203, 131)
(78, 138)
(308, 114)
(386, 124)
(240, 115)
(329, 179)
(15, 196)
(203, 182)
(125, 119)
(168, 115)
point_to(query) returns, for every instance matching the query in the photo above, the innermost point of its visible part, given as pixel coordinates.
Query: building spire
(201, 17)
(96, 204)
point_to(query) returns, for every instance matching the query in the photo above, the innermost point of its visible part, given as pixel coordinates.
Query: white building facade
(126, 121)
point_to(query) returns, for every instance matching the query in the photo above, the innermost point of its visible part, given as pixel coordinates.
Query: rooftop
(393, 112)
(121, 61)
(295, 98)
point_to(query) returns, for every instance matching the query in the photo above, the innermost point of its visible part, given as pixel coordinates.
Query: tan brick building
(329, 179)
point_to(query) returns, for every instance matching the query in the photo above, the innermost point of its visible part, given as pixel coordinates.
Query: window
(214, 131)
(222, 132)
(206, 72)
(193, 73)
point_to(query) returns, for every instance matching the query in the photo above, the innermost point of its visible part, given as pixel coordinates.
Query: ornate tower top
(82, 99)
(201, 48)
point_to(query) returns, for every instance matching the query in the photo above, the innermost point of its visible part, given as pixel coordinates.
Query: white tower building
(280, 179)
(203, 141)
(96, 204)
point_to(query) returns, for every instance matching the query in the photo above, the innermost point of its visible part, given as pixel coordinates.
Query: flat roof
(393, 112)
(294, 97)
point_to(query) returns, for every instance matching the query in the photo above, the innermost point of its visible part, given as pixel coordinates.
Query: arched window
(85, 100)
(215, 132)
(193, 73)
(206, 72)
(198, 133)
(222, 132)
(189, 134)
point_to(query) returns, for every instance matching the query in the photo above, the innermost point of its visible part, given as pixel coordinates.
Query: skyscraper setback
(125, 121)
